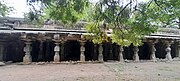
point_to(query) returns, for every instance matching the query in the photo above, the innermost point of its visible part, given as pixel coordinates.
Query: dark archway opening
(48, 48)
(128, 52)
(14, 51)
(115, 52)
(174, 50)
(144, 52)
(35, 51)
(47, 51)
(160, 50)
(72, 51)
(89, 50)
(110, 51)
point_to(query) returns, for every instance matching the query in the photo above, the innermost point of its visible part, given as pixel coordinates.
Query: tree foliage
(166, 12)
(66, 11)
(128, 24)
(4, 9)
(129, 20)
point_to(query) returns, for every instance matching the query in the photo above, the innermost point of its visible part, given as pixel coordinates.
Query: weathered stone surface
(27, 59)
(153, 50)
(168, 52)
(100, 56)
(2, 64)
(82, 50)
(56, 50)
(56, 58)
(27, 49)
(121, 59)
(136, 56)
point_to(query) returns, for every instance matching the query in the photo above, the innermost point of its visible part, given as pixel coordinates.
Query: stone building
(58, 44)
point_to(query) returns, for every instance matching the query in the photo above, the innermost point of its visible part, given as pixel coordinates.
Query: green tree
(166, 12)
(65, 11)
(4, 9)
(129, 25)
(129, 22)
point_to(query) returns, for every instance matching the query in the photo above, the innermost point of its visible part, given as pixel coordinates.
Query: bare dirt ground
(146, 71)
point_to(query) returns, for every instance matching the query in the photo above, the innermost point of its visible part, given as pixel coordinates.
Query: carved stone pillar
(27, 49)
(121, 59)
(168, 51)
(82, 50)
(56, 50)
(153, 50)
(136, 56)
(100, 56)
(40, 56)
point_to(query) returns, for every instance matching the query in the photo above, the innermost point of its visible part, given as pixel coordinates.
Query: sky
(21, 7)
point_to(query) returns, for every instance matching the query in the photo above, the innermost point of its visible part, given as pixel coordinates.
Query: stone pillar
(100, 56)
(27, 49)
(82, 50)
(40, 56)
(153, 50)
(168, 51)
(121, 58)
(56, 50)
(136, 56)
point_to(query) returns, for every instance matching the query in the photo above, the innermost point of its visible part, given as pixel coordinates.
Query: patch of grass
(166, 69)
(178, 79)
(115, 67)
(80, 78)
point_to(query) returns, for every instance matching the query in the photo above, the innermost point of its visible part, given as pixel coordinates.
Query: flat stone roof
(162, 33)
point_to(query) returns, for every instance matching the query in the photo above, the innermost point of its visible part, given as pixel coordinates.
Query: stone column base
(153, 57)
(121, 59)
(136, 58)
(100, 58)
(56, 58)
(82, 58)
(27, 59)
(168, 57)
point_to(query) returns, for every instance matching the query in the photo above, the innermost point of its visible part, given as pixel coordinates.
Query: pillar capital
(56, 36)
(168, 42)
(82, 43)
(152, 41)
